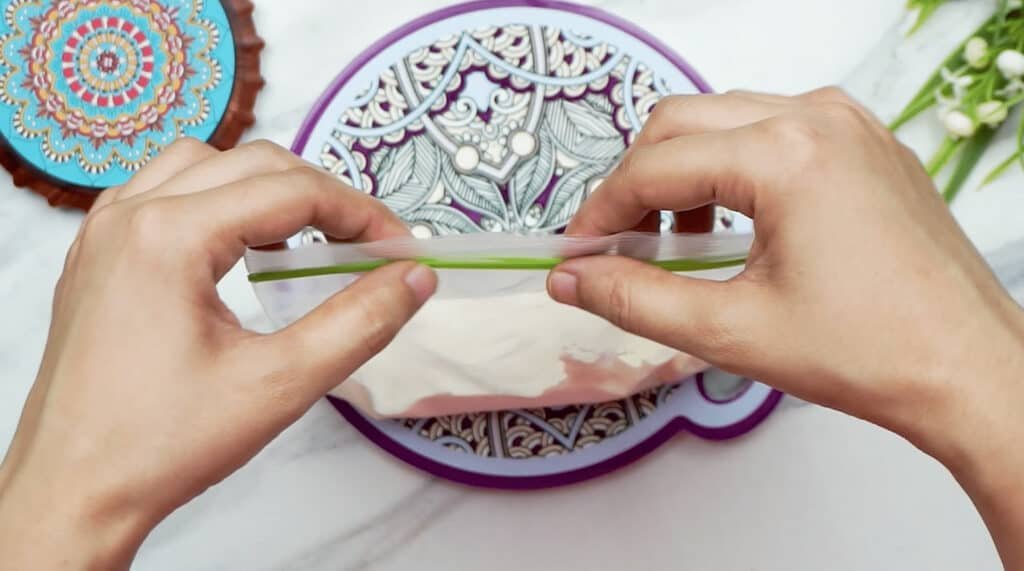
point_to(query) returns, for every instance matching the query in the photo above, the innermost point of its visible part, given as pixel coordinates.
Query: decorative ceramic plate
(504, 116)
(90, 90)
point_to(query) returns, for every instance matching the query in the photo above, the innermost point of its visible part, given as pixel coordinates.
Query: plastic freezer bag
(491, 338)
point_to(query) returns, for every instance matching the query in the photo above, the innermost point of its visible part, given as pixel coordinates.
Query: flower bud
(958, 124)
(992, 113)
(1010, 63)
(976, 52)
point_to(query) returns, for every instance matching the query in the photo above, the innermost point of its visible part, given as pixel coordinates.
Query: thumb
(328, 344)
(701, 317)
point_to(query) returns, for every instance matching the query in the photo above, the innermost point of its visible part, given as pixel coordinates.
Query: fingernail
(422, 281)
(562, 287)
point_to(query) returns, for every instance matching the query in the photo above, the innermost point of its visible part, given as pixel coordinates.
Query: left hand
(150, 391)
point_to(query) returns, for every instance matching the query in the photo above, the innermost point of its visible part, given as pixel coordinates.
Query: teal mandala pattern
(90, 90)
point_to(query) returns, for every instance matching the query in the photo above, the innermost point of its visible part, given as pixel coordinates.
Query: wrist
(64, 528)
(975, 428)
(978, 427)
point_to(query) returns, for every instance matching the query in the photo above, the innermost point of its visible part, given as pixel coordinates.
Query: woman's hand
(861, 292)
(150, 391)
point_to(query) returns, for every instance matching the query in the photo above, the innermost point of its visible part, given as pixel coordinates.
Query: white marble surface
(810, 489)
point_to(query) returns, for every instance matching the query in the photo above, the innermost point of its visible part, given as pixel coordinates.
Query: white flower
(992, 113)
(958, 124)
(976, 52)
(1010, 63)
(959, 84)
(1013, 87)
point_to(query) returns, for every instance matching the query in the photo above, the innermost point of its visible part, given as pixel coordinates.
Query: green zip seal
(684, 265)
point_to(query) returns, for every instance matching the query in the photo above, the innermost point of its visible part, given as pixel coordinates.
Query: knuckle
(629, 166)
(668, 106)
(101, 216)
(845, 115)
(307, 178)
(268, 153)
(149, 223)
(188, 146)
(799, 138)
(619, 302)
(98, 221)
(375, 327)
(734, 95)
(737, 94)
(831, 93)
(106, 197)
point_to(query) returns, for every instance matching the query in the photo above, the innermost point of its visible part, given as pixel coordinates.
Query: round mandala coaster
(91, 90)
(504, 116)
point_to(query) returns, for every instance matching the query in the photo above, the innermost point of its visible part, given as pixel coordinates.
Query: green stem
(1020, 134)
(1013, 101)
(941, 157)
(1015, 157)
(684, 265)
(1001, 12)
(1001, 168)
(915, 107)
(973, 149)
(925, 96)
(922, 16)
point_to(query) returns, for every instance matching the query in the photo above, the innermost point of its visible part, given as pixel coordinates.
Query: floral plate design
(90, 90)
(504, 116)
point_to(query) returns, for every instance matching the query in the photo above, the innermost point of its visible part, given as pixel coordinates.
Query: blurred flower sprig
(924, 9)
(974, 90)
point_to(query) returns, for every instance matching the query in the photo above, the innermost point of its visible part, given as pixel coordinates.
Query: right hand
(860, 293)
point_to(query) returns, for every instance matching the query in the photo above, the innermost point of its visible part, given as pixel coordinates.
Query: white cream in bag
(491, 338)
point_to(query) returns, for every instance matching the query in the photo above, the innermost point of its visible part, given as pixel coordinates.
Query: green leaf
(1020, 135)
(925, 96)
(1015, 157)
(923, 14)
(942, 155)
(923, 100)
(972, 151)
(1001, 12)
(1001, 168)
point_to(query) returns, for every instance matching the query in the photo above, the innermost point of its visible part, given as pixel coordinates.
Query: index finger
(683, 173)
(271, 208)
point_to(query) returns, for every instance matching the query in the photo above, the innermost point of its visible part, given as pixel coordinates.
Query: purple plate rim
(541, 481)
(439, 469)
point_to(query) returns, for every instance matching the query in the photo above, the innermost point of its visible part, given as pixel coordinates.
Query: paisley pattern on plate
(91, 89)
(537, 432)
(505, 125)
(504, 128)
